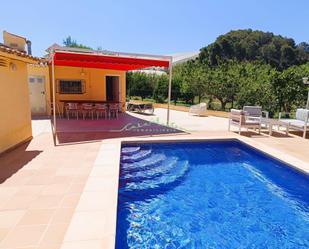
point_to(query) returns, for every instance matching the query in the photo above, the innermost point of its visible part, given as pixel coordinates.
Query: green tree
(248, 45)
(289, 89)
(160, 92)
(140, 84)
(69, 42)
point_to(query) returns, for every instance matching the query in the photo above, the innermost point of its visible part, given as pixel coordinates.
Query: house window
(71, 86)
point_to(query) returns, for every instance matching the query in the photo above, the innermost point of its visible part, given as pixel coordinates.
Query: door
(37, 95)
(112, 88)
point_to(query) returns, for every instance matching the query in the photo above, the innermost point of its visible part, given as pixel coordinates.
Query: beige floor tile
(66, 171)
(108, 242)
(23, 236)
(91, 201)
(19, 202)
(39, 180)
(55, 189)
(29, 190)
(61, 179)
(8, 219)
(49, 246)
(76, 188)
(62, 215)
(86, 244)
(8, 191)
(3, 233)
(73, 171)
(79, 230)
(36, 217)
(54, 234)
(70, 201)
(98, 183)
(46, 201)
(102, 184)
(104, 172)
(16, 180)
(80, 179)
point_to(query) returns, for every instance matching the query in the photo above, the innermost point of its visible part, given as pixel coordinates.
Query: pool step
(155, 170)
(172, 176)
(144, 164)
(136, 157)
(128, 151)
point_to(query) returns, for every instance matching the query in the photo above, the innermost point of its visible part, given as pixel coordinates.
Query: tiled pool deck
(66, 196)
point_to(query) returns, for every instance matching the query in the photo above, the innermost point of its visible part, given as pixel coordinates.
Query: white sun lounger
(301, 121)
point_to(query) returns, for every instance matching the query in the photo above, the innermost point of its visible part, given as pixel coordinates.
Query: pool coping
(98, 202)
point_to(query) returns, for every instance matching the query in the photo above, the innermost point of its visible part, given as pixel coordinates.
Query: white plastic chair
(100, 110)
(199, 109)
(113, 110)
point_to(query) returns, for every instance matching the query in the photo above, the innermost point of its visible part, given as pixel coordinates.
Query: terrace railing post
(169, 91)
(54, 98)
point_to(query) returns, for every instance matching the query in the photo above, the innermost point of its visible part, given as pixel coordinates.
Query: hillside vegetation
(242, 67)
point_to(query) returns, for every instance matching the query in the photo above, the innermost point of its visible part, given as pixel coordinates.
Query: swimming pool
(214, 194)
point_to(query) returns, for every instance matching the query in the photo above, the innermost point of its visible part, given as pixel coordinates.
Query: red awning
(106, 61)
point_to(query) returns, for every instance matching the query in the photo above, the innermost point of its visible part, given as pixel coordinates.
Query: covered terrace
(92, 66)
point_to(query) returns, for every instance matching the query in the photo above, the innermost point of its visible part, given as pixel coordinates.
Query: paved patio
(40, 188)
(127, 125)
(52, 197)
(184, 121)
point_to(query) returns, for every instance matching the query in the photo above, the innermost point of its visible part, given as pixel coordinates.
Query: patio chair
(255, 112)
(199, 109)
(113, 110)
(100, 110)
(87, 110)
(241, 119)
(301, 121)
(71, 108)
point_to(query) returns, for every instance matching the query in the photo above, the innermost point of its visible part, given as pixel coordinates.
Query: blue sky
(144, 26)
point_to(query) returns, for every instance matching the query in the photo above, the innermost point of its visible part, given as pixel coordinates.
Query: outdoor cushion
(252, 122)
(237, 112)
(302, 114)
(295, 122)
(253, 110)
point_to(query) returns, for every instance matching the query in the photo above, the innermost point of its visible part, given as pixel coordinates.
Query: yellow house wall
(42, 71)
(15, 117)
(95, 83)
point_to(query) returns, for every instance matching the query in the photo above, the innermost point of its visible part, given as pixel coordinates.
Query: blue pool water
(209, 195)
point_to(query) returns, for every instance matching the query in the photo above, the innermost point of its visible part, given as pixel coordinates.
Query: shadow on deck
(14, 160)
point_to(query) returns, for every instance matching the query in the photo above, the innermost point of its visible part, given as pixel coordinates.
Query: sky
(152, 27)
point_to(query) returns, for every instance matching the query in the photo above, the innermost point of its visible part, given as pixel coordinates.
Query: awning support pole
(54, 98)
(169, 92)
